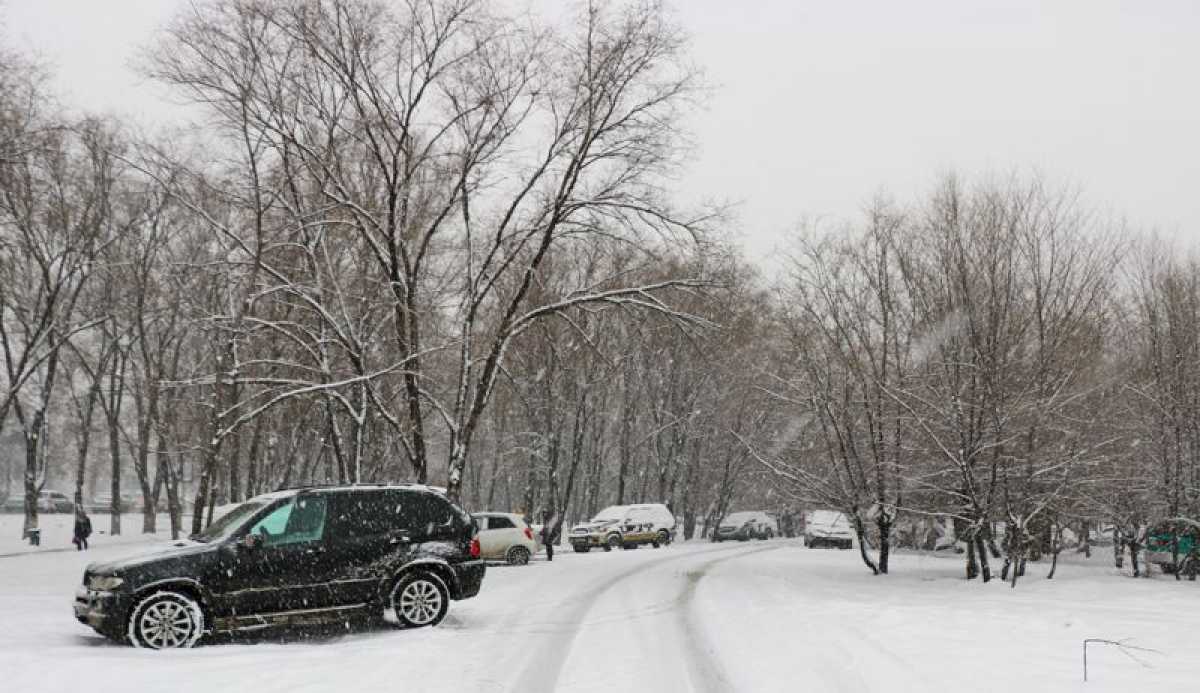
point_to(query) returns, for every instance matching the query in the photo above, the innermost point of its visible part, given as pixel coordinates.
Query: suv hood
(164, 555)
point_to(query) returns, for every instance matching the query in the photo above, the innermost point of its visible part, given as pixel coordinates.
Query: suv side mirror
(251, 542)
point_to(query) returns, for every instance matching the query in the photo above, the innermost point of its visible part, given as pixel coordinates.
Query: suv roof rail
(359, 484)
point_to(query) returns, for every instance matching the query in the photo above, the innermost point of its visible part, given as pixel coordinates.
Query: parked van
(625, 526)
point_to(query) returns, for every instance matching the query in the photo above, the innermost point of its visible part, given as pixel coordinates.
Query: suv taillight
(475, 547)
(529, 534)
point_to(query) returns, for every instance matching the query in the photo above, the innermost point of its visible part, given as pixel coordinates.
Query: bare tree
(393, 127)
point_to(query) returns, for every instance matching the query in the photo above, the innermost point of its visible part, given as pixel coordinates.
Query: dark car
(745, 526)
(299, 557)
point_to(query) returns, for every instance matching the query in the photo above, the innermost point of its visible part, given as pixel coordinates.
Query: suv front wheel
(166, 620)
(420, 599)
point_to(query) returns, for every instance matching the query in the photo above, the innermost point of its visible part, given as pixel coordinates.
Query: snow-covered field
(57, 529)
(759, 616)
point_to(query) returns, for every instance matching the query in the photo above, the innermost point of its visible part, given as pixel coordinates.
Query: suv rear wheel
(614, 542)
(166, 620)
(420, 599)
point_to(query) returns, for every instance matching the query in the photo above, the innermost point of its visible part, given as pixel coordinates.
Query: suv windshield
(228, 523)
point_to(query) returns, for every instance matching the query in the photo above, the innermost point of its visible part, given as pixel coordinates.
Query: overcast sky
(821, 104)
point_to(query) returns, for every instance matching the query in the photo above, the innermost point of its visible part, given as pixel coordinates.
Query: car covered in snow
(307, 556)
(102, 502)
(55, 502)
(827, 528)
(505, 537)
(746, 525)
(625, 526)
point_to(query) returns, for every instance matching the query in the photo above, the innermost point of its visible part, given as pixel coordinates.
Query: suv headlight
(106, 583)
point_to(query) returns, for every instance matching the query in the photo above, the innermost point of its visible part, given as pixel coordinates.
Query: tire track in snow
(542, 672)
(704, 665)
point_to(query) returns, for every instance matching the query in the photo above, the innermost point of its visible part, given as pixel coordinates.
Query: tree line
(998, 356)
(430, 241)
(388, 211)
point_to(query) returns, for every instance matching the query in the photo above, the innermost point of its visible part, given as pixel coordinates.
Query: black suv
(297, 557)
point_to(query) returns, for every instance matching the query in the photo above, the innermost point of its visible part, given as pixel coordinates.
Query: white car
(827, 528)
(625, 526)
(504, 537)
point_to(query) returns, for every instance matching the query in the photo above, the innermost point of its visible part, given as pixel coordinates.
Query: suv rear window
(500, 523)
(426, 514)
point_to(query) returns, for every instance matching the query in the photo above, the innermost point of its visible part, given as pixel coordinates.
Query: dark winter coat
(83, 527)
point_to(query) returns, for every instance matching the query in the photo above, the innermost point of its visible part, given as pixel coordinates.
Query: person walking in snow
(548, 534)
(83, 529)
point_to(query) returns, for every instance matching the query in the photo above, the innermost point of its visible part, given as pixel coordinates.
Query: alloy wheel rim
(420, 602)
(165, 625)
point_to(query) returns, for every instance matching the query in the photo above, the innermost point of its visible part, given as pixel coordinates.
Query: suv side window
(362, 514)
(500, 523)
(300, 520)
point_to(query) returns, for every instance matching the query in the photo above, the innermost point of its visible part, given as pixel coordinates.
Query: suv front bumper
(104, 612)
(587, 539)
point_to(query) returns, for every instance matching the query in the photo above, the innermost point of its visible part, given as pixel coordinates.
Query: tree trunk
(885, 530)
(32, 439)
(985, 570)
(972, 563)
(860, 532)
(1055, 542)
(114, 451)
(112, 412)
(208, 466)
(85, 437)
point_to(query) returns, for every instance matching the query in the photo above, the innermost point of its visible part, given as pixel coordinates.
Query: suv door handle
(314, 551)
(401, 539)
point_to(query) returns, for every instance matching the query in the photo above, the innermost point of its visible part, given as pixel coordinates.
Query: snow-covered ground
(759, 616)
(57, 529)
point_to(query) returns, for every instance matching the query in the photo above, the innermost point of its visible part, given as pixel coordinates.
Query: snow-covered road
(705, 617)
